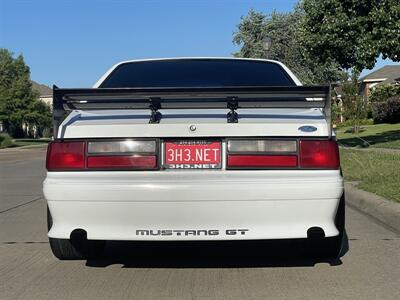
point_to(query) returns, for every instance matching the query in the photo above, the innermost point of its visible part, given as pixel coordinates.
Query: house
(45, 93)
(384, 75)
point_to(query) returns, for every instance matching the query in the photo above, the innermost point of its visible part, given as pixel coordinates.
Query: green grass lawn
(376, 171)
(377, 136)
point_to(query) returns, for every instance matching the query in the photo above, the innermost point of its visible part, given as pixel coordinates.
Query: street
(369, 270)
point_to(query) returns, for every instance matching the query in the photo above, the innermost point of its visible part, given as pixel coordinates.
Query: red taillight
(262, 161)
(65, 156)
(316, 154)
(285, 154)
(122, 161)
(102, 155)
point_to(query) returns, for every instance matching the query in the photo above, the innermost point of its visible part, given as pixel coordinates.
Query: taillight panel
(122, 161)
(67, 156)
(261, 154)
(319, 154)
(262, 146)
(282, 154)
(102, 155)
(122, 147)
(262, 161)
(144, 154)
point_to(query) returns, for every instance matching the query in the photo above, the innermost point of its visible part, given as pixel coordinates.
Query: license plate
(192, 154)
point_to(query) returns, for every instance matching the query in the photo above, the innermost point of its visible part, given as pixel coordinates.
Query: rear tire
(330, 247)
(66, 249)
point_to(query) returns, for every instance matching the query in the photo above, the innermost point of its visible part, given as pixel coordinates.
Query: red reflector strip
(319, 154)
(262, 161)
(65, 156)
(123, 162)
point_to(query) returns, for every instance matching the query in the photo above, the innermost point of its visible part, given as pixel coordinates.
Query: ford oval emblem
(308, 128)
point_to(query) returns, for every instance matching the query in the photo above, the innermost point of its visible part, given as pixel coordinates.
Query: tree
(353, 32)
(39, 117)
(355, 108)
(19, 104)
(251, 34)
(282, 29)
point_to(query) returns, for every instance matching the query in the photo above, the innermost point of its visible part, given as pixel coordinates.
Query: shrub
(383, 92)
(5, 140)
(47, 132)
(362, 122)
(387, 111)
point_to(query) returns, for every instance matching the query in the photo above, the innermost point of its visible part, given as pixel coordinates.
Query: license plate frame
(199, 157)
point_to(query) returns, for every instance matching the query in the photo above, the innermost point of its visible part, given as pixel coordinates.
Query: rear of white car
(185, 168)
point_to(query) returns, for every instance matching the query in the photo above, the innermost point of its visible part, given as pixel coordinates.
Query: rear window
(197, 73)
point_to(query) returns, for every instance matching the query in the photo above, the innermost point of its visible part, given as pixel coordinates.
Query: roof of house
(386, 74)
(43, 90)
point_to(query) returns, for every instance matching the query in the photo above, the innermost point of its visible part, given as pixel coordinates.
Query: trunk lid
(277, 122)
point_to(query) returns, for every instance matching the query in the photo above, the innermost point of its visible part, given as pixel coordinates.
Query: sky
(72, 43)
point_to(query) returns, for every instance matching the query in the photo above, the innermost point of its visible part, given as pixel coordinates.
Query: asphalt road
(369, 270)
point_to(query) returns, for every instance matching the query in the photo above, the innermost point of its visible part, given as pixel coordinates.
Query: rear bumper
(193, 205)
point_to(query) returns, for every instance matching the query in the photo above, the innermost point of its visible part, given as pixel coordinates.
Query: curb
(10, 149)
(32, 146)
(386, 211)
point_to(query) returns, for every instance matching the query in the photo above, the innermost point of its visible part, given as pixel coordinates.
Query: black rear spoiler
(155, 99)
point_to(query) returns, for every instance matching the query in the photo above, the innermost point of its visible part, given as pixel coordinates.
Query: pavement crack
(22, 204)
(27, 242)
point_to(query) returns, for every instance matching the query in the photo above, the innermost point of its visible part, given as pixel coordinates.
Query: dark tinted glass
(197, 73)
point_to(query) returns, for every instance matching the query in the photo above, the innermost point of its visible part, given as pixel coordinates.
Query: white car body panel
(176, 123)
(268, 204)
